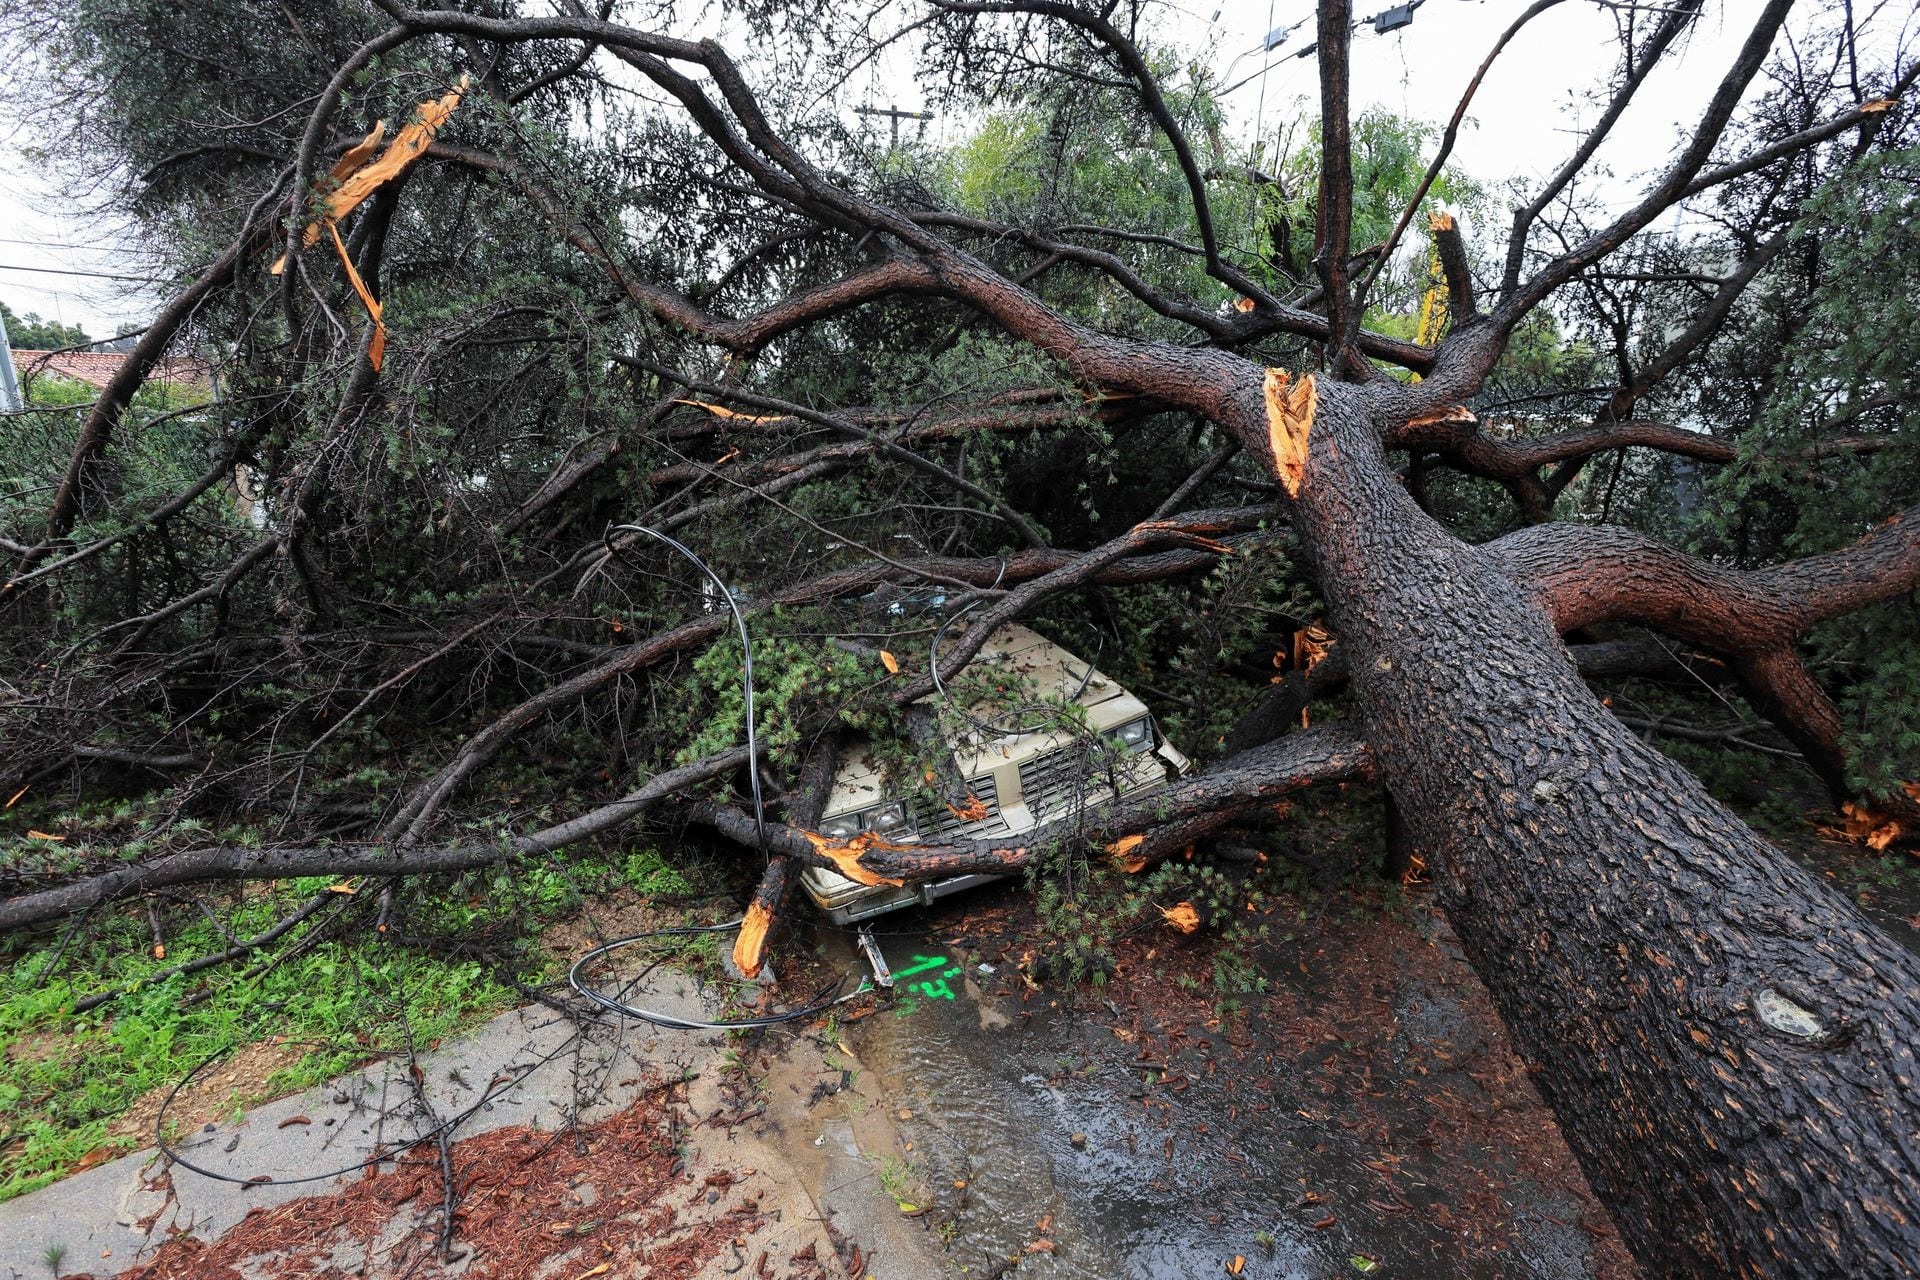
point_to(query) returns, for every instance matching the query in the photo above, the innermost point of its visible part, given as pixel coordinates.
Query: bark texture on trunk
(1583, 575)
(1725, 1041)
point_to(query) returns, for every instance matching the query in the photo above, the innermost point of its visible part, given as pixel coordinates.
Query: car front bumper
(846, 902)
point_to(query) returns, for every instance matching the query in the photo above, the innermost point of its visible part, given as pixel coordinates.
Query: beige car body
(1023, 779)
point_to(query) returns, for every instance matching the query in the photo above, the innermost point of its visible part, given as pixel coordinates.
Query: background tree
(31, 333)
(1067, 372)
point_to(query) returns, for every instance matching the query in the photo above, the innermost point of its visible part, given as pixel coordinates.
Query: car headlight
(1132, 737)
(887, 820)
(844, 827)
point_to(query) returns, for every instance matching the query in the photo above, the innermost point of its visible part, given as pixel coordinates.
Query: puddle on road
(1090, 1154)
(1043, 1121)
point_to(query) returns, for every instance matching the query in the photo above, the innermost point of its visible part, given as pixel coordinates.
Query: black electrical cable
(821, 1001)
(746, 671)
(98, 275)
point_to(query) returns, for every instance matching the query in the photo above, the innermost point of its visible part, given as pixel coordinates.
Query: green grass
(65, 1079)
(647, 872)
(895, 1176)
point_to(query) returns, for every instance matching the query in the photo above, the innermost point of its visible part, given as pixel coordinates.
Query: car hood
(1042, 666)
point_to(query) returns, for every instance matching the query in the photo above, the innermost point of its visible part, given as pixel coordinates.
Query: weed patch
(76, 1089)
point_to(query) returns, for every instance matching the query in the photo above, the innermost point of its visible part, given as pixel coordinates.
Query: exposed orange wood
(1290, 408)
(750, 945)
(1454, 413)
(356, 175)
(846, 857)
(377, 347)
(973, 810)
(721, 411)
(1122, 853)
(1310, 646)
(1181, 916)
(365, 178)
(359, 153)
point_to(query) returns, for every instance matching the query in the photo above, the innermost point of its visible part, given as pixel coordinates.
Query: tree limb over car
(1639, 938)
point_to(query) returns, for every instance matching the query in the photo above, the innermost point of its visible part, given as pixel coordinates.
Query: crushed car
(1017, 777)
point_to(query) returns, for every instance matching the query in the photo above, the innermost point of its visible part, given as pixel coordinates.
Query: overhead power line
(99, 275)
(57, 244)
(98, 246)
(1386, 20)
(1271, 41)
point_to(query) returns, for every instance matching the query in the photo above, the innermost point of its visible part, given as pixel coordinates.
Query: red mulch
(605, 1200)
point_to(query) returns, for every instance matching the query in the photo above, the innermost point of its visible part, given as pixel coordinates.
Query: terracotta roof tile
(97, 367)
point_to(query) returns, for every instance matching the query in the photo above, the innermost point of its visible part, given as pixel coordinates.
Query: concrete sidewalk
(531, 1067)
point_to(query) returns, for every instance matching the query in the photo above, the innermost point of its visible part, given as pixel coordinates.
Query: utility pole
(896, 115)
(9, 385)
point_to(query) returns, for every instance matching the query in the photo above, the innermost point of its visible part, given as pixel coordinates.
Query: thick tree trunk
(1728, 1045)
(1396, 854)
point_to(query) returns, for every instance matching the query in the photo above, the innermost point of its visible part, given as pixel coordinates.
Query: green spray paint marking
(920, 965)
(932, 988)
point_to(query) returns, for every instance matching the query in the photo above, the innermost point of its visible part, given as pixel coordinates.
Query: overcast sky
(1524, 121)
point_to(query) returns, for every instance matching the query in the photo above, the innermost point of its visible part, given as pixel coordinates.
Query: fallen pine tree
(431, 600)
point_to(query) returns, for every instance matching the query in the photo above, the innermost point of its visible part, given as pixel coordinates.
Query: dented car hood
(1045, 670)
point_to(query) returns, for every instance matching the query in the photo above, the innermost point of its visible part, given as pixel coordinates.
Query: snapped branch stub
(1290, 406)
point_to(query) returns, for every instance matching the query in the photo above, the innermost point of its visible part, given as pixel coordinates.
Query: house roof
(96, 368)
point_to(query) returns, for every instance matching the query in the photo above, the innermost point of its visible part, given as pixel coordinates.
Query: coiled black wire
(746, 666)
(822, 1000)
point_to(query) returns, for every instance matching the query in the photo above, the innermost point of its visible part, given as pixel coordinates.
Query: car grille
(935, 821)
(1064, 781)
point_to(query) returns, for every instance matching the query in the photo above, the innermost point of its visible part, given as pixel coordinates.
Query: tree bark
(1727, 1044)
(1396, 854)
(1582, 576)
(1167, 821)
(1725, 1041)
